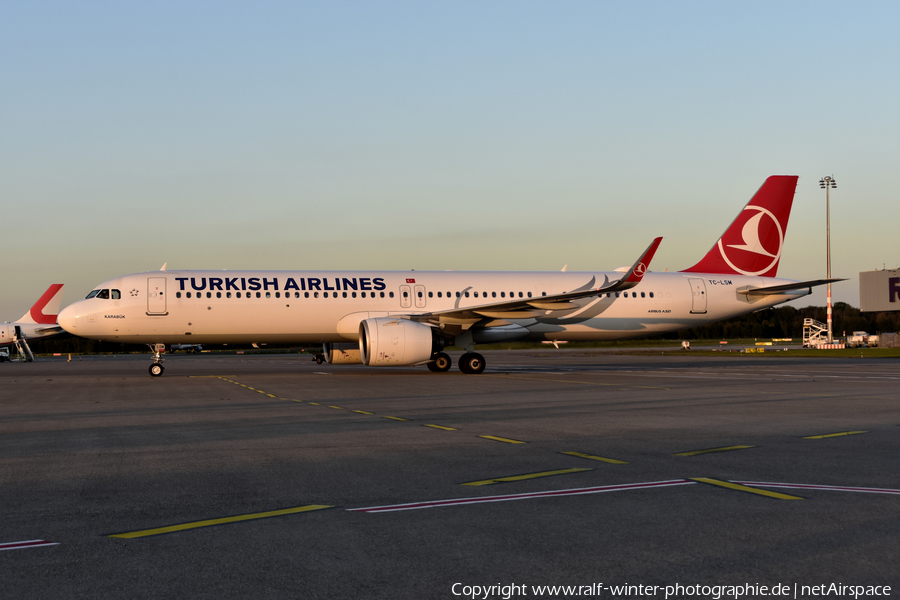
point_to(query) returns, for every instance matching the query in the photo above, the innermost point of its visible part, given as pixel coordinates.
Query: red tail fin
(752, 243)
(50, 302)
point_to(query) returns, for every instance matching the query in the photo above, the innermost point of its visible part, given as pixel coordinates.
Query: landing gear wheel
(156, 369)
(441, 364)
(471, 363)
(320, 358)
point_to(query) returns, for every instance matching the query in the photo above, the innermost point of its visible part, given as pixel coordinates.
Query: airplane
(38, 322)
(189, 348)
(400, 318)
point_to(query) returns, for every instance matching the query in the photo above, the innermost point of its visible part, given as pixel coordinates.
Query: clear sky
(437, 135)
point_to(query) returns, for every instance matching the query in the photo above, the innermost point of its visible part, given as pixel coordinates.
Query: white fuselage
(327, 306)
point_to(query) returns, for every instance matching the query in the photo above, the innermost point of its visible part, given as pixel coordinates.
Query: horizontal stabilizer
(788, 287)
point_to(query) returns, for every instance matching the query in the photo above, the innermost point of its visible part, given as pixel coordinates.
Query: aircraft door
(698, 295)
(420, 296)
(405, 300)
(156, 296)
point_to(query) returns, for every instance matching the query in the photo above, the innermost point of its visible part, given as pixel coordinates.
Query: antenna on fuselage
(163, 268)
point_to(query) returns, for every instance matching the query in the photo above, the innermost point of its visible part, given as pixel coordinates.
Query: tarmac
(274, 477)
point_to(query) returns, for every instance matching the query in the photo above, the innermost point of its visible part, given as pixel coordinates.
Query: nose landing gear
(156, 369)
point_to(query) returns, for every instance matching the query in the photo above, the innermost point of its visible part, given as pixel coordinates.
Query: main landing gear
(471, 363)
(156, 369)
(440, 364)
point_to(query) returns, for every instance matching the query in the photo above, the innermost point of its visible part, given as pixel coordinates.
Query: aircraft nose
(68, 319)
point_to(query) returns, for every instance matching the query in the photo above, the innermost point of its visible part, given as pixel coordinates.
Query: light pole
(828, 183)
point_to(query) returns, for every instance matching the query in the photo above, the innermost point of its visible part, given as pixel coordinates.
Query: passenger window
(268, 294)
(493, 294)
(187, 294)
(651, 294)
(391, 294)
(315, 294)
(305, 294)
(228, 294)
(259, 295)
(430, 295)
(503, 294)
(467, 294)
(237, 294)
(475, 294)
(178, 294)
(642, 295)
(353, 294)
(382, 294)
(406, 294)
(218, 294)
(209, 294)
(439, 295)
(529, 294)
(278, 295)
(419, 294)
(520, 294)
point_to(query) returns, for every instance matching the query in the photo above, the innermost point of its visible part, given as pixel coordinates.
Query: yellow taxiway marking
(500, 439)
(396, 418)
(315, 404)
(708, 450)
(524, 477)
(440, 427)
(250, 388)
(592, 457)
(222, 521)
(643, 387)
(744, 488)
(271, 395)
(337, 407)
(363, 412)
(831, 435)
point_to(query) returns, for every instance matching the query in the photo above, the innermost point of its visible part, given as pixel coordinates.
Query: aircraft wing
(523, 308)
(788, 287)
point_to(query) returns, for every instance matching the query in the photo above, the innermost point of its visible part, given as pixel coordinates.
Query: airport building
(879, 290)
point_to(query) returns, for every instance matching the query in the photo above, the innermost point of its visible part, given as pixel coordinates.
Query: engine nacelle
(387, 342)
(341, 354)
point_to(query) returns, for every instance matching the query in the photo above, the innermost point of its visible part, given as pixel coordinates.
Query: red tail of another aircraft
(46, 308)
(753, 242)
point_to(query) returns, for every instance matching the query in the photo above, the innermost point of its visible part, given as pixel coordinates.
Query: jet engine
(341, 354)
(387, 342)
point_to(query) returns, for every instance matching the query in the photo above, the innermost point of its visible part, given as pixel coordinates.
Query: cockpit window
(92, 294)
(116, 295)
(103, 295)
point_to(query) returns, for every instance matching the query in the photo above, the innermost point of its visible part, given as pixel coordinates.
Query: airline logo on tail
(46, 308)
(752, 244)
(746, 256)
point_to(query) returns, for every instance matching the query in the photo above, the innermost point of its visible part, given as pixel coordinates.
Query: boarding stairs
(25, 353)
(814, 333)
